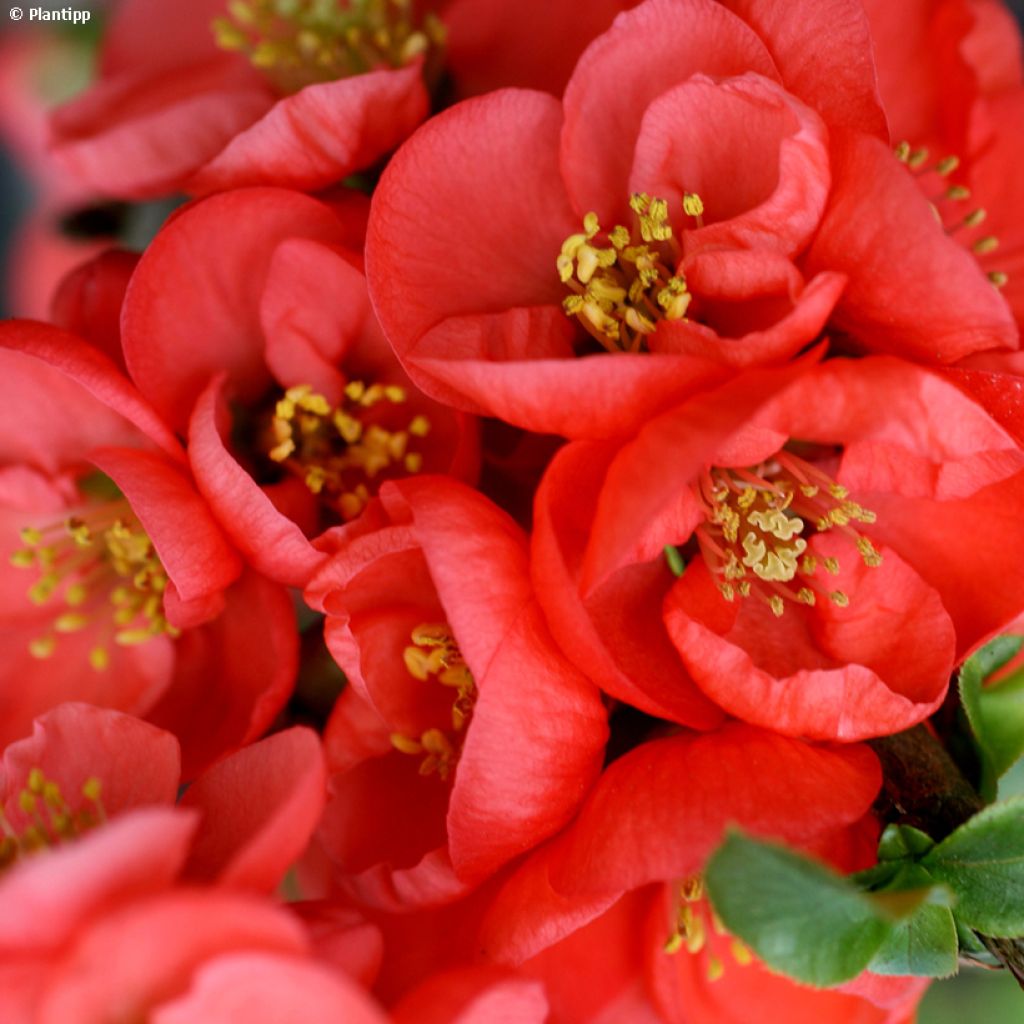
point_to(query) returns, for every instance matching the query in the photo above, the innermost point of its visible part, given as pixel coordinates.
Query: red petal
(824, 54)
(823, 672)
(647, 51)
(65, 398)
(270, 541)
(635, 663)
(88, 301)
(928, 301)
(660, 810)
(307, 339)
(259, 808)
(144, 133)
(485, 241)
(240, 669)
(267, 988)
(46, 898)
(151, 947)
(474, 995)
(144, 33)
(321, 134)
(135, 679)
(192, 547)
(534, 44)
(757, 158)
(136, 763)
(192, 309)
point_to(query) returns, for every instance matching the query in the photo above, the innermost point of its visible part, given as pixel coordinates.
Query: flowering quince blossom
(640, 826)
(702, 194)
(226, 306)
(463, 722)
(119, 586)
(803, 501)
(98, 865)
(657, 953)
(950, 78)
(210, 95)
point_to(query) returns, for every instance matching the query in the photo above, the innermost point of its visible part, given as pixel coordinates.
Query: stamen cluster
(752, 539)
(690, 930)
(111, 577)
(435, 655)
(334, 451)
(52, 818)
(947, 203)
(301, 42)
(623, 288)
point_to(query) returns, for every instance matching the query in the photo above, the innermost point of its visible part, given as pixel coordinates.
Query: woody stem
(923, 787)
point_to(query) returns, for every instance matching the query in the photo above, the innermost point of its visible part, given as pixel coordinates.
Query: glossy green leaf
(925, 944)
(903, 842)
(982, 862)
(996, 653)
(995, 711)
(800, 917)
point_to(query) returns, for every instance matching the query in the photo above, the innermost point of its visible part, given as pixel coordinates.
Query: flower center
(302, 42)
(947, 201)
(336, 451)
(435, 656)
(752, 537)
(104, 569)
(621, 286)
(50, 819)
(690, 929)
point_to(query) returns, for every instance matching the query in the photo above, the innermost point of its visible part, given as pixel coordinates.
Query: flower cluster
(549, 438)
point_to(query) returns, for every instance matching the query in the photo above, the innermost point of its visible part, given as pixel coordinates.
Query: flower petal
(320, 134)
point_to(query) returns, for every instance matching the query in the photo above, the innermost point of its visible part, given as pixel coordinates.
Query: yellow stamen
(301, 42)
(334, 450)
(621, 290)
(752, 539)
(434, 655)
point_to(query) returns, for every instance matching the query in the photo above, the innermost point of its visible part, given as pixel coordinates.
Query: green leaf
(876, 878)
(925, 944)
(996, 711)
(983, 863)
(903, 842)
(800, 917)
(996, 653)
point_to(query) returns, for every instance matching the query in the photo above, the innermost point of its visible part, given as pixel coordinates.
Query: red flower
(949, 76)
(103, 913)
(693, 197)
(803, 555)
(725, 984)
(464, 729)
(254, 298)
(255, 97)
(120, 588)
(484, 327)
(84, 766)
(647, 829)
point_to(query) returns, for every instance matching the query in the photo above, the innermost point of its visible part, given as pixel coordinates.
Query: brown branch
(923, 787)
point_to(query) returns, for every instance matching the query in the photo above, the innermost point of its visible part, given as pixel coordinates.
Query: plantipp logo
(70, 14)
